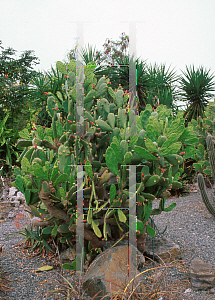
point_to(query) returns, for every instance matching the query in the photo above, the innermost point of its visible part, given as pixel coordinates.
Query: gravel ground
(190, 225)
(20, 269)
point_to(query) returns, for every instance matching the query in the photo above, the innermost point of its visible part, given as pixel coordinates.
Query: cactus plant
(208, 203)
(202, 128)
(48, 165)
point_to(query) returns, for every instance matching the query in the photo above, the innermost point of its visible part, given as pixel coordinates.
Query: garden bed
(189, 225)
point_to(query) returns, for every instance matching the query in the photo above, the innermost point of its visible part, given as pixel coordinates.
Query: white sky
(175, 32)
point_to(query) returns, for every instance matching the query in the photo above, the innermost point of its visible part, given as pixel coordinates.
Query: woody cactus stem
(201, 184)
(200, 179)
(211, 154)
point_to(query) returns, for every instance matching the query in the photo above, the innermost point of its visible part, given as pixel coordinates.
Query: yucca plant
(88, 54)
(195, 87)
(161, 88)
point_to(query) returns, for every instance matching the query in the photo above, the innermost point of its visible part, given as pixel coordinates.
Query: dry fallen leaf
(44, 268)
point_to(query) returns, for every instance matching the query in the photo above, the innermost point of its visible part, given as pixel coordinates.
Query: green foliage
(196, 86)
(36, 239)
(204, 127)
(48, 170)
(15, 76)
(9, 151)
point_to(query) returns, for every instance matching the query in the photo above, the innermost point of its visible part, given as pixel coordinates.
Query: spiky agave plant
(195, 87)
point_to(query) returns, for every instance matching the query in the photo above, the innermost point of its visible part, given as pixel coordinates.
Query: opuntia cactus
(48, 174)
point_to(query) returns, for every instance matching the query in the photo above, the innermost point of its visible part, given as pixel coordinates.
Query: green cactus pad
(63, 138)
(103, 107)
(89, 117)
(62, 178)
(71, 191)
(103, 125)
(153, 180)
(39, 171)
(49, 132)
(111, 120)
(116, 147)
(72, 96)
(59, 128)
(24, 143)
(111, 160)
(51, 104)
(148, 196)
(150, 145)
(174, 159)
(122, 121)
(164, 182)
(71, 79)
(119, 98)
(101, 90)
(140, 199)
(61, 67)
(151, 132)
(123, 147)
(96, 229)
(144, 118)
(106, 105)
(174, 169)
(64, 228)
(63, 158)
(161, 140)
(190, 152)
(174, 148)
(111, 92)
(90, 96)
(40, 132)
(24, 134)
(88, 169)
(102, 80)
(144, 153)
(141, 136)
(176, 185)
(169, 141)
(127, 158)
(36, 141)
(112, 107)
(37, 160)
(29, 153)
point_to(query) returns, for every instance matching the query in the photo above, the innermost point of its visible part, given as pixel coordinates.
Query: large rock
(109, 271)
(201, 275)
(12, 192)
(20, 197)
(164, 249)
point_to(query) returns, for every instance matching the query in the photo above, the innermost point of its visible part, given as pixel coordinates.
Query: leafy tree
(15, 76)
(113, 50)
(195, 87)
